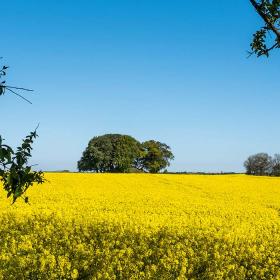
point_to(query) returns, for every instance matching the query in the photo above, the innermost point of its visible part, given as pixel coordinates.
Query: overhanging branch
(266, 19)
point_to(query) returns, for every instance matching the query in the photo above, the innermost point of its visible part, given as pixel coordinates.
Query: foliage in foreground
(15, 173)
(119, 226)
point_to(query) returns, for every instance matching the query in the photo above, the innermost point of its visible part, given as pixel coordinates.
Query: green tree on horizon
(155, 156)
(123, 154)
(110, 153)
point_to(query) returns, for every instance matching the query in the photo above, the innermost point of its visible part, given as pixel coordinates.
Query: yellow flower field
(143, 226)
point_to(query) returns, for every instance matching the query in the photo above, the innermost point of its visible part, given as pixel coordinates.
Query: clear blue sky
(175, 71)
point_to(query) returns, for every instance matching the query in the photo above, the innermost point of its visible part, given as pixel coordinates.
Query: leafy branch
(269, 11)
(15, 173)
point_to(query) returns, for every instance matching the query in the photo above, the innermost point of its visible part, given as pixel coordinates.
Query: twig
(26, 89)
(19, 95)
(37, 126)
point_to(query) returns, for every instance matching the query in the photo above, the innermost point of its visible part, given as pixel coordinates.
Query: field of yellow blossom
(143, 226)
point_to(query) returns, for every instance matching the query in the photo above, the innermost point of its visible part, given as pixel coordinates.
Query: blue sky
(175, 71)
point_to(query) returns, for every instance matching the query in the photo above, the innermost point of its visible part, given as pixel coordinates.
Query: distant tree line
(262, 164)
(123, 154)
(203, 173)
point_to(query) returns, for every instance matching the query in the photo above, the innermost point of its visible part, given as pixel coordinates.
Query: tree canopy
(267, 37)
(110, 153)
(155, 156)
(263, 164)
(123, 153)
(258, 164)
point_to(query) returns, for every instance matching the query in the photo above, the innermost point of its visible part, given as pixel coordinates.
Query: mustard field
(142, 226)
